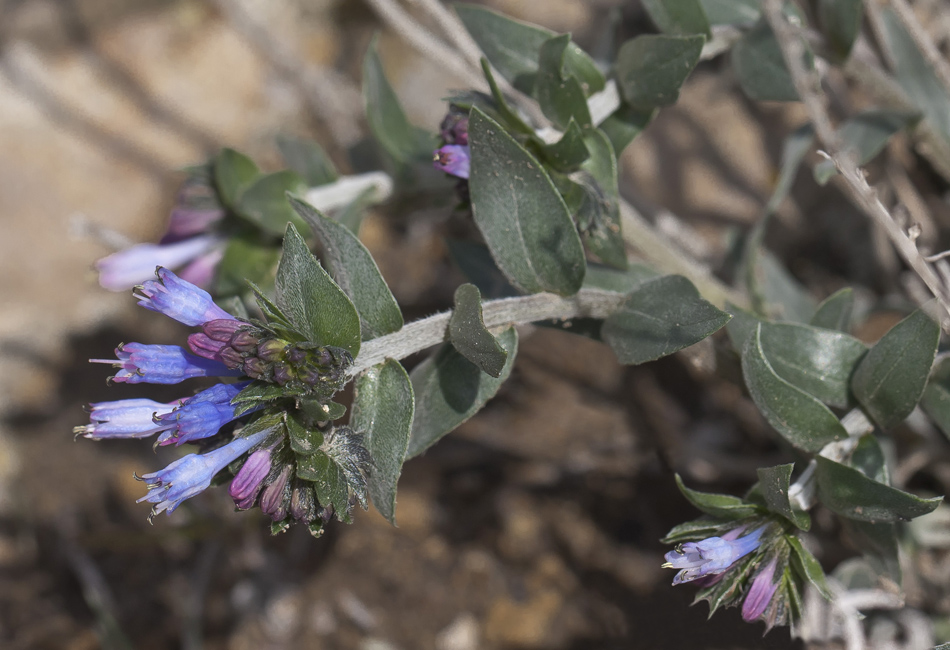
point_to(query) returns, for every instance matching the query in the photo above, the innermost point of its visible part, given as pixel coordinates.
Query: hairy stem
(497, 314)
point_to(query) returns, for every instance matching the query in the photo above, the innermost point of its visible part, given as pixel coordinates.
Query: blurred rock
(462, 634)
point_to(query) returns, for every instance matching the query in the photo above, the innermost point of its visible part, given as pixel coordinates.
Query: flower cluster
(453, 157)
(256, 367)
(190, 242)
(748, 563)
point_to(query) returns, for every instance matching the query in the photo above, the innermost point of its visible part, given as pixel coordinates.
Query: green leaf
(774, 481)
(621, 281)
(254, 395)
(778, 294)
(383, 406)
(936, 399)
(868, 458)
(450, 389)
(796, 145)
(270, 422)
(759, 66)
(818, 361)
(312, 301)
(808, 566)
(355, 272)
(891, 379)
(658, 318)
(304, 440)
(512, 46)
(741, 327)
(625, 124)
(602, 234)
(720, 506)
(233, 173)
(915, 75)
(851, 494)
(561, 98)
(726, 591)
(308, 159)
(271, 312)
(651, 68)
(521, 214)
(797, 416)
(678, 17)
(468, 334)
(731, 12)
(840, 20)
(385, 116)
(569, 151)
(835, 312)
(264, 202)
(506, 114)
(865, 135)
(692, 530)
(245, 259)
(329, 482)
(578, 64)
(318, 411)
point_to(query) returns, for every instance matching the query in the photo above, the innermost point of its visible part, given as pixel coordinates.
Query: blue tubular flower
(710, 556)
(128, 418)
(136, 264)
(200, 416)
(453, 159)
(192, 474)
(162, 364)
(178, 299)
(760, 593)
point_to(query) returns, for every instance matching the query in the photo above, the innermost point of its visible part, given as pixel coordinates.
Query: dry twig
(853, 182)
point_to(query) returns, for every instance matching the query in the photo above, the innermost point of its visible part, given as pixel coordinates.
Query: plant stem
(497, 314)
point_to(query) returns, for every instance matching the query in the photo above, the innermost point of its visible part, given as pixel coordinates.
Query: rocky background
(533, 526)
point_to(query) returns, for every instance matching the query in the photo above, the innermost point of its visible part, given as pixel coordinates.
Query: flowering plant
(533, 159)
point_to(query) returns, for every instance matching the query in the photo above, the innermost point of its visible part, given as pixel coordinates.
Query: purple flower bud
(760, 593)
(136, 264)
(200, 416)
(303, 505)
(710, 556)
(206, 347)
(454, 128)
(271, 349)
(254, 367)
(453, 159)
(192, 474)
(180, 300)
(243, 341)
(282, 374)
(161, 364)
(186, 221)
(128, 418)
(296, 355)
(223, 329)
(249, 479)
(276, 497)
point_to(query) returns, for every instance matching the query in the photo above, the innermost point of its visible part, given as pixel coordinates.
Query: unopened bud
(303, 506)
(275, 498)
(244, 341)
(255, 368)
(271, 349)
(231, 357)
(221, 329)
(283, 374)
